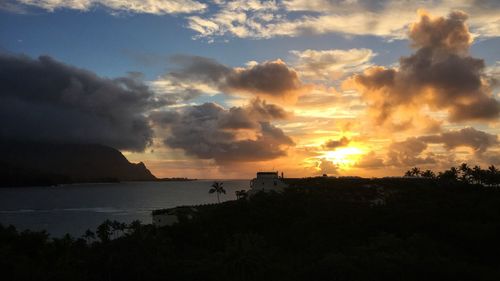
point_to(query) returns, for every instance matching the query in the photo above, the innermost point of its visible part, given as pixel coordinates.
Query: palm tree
(415, 171)
(477, 175)
(493, 175)
(466, 172)
(89, 236)
(217, 187)
(241, 194)
(493, 169)
(450, 175)
(428, 174)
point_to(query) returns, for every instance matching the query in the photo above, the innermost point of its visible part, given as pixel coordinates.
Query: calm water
(76, 208)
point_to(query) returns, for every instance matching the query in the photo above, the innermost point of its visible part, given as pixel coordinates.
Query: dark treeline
(318, 229)
(463, 173)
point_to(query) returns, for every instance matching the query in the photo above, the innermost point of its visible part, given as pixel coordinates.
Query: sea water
(77, 207)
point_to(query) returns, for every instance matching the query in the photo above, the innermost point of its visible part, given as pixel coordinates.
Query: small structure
(172, 216)
(266, 182)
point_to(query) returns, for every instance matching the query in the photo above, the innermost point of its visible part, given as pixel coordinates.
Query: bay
(77, 207)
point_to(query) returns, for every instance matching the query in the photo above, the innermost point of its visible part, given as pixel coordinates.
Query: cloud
(370, 161)
(269, 79)
(440, 74)
(269, 19)
(238, 134)
(479, 141)
(327, 167)
(45, 100)
(157, 7)
(334, 144)
(331, 64)
(409, 152)
(11, 6)
(241, 18)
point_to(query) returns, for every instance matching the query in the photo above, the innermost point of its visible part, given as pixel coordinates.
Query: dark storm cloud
(440, 74)
(270, 78)
(238, 134)
(45, 100)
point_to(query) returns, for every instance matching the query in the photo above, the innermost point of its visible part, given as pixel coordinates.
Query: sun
(344, 157)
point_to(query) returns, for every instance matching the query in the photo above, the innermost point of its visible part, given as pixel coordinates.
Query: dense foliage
(462, 173)
(319, 229)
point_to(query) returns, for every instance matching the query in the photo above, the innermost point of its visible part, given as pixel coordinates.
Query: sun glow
(344, 157)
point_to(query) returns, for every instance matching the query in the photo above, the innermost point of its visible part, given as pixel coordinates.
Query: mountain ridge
(24, 163)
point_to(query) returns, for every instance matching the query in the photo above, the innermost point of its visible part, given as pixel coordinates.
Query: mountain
(40, 163)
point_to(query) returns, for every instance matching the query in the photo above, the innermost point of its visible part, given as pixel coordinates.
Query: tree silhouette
(493, 176)
(450, 175)
(217, 187)
(89, 235)
(241, 194)
(413, 172)
(478, 175)
(428, 174)
(416, 171)
(104, 231)
(465, 173)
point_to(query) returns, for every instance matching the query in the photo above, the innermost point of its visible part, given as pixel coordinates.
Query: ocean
(77, 207)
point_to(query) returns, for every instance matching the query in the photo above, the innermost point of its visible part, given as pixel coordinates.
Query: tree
(428, 174)
(241, 194)
(413, 172)
(104, 231)
(416, 171)
(450, 175)
(493, 176)
(465, 172)
(89, 235)
(217, 187)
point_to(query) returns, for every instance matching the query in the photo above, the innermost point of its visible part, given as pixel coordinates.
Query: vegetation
(463, 174)
(176, 179)
(217, 187)
(319, 229)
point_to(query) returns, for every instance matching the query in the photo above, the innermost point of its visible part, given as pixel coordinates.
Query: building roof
(267, 173)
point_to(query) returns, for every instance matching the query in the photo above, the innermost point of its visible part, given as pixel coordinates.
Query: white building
(266, 182)
(171, 216)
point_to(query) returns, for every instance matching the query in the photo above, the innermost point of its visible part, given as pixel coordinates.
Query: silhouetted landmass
(319, 229)
(37, 163)
(175, 179)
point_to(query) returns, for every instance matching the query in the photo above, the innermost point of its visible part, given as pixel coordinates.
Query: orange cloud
(440, 74)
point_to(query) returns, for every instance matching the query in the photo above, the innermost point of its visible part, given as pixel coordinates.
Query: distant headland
(45, 164)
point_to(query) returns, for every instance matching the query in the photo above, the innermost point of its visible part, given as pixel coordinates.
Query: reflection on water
(76, 208)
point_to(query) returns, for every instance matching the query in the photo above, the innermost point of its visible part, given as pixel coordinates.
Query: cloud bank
(237, 134)
(409, 152)
(267, 19)
(440, 74)
(157, 7)
(271, 79)
(45, 100)
(331, 64)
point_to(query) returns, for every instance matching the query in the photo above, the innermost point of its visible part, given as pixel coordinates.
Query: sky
(223, 89)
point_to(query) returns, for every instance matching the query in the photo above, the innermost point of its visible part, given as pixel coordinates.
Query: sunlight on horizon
(344, 157)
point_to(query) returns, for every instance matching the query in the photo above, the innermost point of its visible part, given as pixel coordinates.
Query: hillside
(320, 229)
(36, 163)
